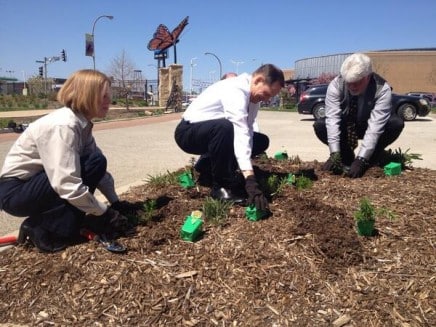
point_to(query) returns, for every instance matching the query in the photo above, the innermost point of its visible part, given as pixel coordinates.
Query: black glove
(115, 224)
(334, 163)
(255, 195)
(358, 167)
(124, 207)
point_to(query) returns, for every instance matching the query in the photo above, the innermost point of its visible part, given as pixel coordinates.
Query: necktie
(351, 123)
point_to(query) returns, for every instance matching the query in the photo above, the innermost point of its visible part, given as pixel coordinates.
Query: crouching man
(218, 125)
(358, 106)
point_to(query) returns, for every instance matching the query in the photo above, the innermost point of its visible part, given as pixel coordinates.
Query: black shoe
(41, 238)
(224, 194)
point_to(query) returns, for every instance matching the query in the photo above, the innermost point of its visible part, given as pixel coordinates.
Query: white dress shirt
(229, 99)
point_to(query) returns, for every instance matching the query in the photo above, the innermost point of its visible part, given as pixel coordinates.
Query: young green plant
(216, 211)
(366, 215)
(404, 158)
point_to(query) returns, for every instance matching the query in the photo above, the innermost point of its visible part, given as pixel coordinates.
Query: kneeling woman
(52, 170)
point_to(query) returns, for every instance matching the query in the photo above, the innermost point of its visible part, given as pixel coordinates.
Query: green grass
(170, 178)
(303, 182)
(216, 211)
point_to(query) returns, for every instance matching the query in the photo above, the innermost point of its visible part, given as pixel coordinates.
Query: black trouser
(392, 130)
(36, 198)
(216, 137)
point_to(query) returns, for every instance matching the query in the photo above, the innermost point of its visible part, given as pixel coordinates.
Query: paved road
(139, 148)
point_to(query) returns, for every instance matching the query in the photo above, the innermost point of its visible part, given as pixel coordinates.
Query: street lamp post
(93, 28)
(24, 83)
(237, 63)
(192, 67)
(157, 81)
(219, 62)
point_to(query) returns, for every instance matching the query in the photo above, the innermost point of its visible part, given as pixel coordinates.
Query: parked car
(312, 102)
(431, 97)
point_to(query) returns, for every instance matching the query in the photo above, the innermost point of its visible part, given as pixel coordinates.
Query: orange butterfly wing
(163, 39)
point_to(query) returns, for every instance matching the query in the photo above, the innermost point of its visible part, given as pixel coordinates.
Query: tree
(122, 73)
(324, 78)
(40, 86)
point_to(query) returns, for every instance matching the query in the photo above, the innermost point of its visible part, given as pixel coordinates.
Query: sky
(243, 34)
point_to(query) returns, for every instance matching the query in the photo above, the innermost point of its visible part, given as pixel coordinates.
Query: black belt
(8, 179)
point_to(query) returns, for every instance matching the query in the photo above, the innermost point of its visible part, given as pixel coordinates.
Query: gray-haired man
(358, 106)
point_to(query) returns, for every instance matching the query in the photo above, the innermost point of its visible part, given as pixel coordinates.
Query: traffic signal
(41, 71)
(64, 55)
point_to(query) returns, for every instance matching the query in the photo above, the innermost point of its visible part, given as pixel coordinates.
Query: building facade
(406, 70)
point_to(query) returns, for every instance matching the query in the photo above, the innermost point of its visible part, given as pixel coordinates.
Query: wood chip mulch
(303, 266)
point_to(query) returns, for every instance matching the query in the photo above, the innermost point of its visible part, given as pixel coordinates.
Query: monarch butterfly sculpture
(164, 39)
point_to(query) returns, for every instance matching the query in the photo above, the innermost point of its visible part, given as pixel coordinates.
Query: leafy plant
(367, 212)
(337, 167)
(273, 185)
(404, 158)
(216, 211)
(149, 207)
(303, 182)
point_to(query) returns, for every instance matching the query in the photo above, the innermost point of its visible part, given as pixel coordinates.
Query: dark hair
(271, 73)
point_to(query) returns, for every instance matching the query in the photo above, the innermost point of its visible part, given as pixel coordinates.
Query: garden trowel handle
(7, 240)
(89, 235)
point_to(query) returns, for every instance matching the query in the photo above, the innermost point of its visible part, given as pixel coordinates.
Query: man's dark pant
(216, 137)
(393, 129)
(37, 199)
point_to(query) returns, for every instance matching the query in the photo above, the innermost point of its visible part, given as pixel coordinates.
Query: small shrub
(303, 182)
(404, 158)
(4, 122)
(367, 212)
(148, 209)
(273, 185)
(216, 211)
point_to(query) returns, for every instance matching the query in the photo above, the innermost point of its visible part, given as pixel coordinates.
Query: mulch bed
(303, 266)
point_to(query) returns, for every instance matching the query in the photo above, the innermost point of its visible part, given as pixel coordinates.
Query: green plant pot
(253, 214)
(192, 227)
(186, 181)
(392, 168)
(291, 179)
(281, 155)
(365, 227)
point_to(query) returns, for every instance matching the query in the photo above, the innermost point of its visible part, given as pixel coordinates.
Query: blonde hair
(82, 92)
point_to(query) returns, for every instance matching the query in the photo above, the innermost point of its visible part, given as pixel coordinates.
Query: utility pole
(48, 60)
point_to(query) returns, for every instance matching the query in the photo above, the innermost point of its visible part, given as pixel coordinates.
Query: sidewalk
(25, 113)
(41, 112)
(145, 147)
